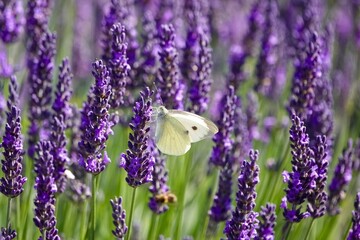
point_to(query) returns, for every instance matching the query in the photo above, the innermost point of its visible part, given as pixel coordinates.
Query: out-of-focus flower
(252, 110)
(222, 140)
(120, 12)
(243, 223)
(5, 68)
(119, 68)
(158, 185)
(221, 207)
(267, 222)
(200, 85)
(12, 20)
(118, 218)
(237, 60)
(138, 161)
(317, 198)
(7, 233)
(11, 184)
(78, 191)
(95, 125)
(341, 179)
(45, 187)
(168, 81)
(40, 78)
(269, 57)
(302, 178)
(355, 230)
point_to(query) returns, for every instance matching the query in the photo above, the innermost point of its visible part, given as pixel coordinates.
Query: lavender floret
(95, 125)
(11, 184)
(138, 161)
(341, 179)
(168, 82)
(118, 218)
(7, 234)
(243, 223)
(45, 186)
(12, 20)
(355, 230)
(267, 222)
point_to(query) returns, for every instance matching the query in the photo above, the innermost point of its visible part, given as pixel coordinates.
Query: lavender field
(81, 83)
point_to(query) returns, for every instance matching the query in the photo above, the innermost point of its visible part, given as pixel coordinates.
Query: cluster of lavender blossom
(175, 54)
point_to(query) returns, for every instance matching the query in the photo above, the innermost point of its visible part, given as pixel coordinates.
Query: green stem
(286, 230)
(131, 214)
(93, 206)
(153, 227)
(18, 216)
(186, 174)
(308, 232)
(8, 213)
(44, 234)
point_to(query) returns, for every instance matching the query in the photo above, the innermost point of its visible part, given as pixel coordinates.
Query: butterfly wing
(171, 137)
(197, 127)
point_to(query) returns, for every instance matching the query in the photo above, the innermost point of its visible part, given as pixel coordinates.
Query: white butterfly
(176, 130)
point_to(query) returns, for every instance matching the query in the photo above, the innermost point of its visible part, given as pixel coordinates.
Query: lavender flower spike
(302, 178)
(170, 86)
(243, 223)
(119, 218)
(7, 234)
(355, 230)
(340, 181)
(11, 185)
(95, 125)
(12, 20)
(267, 224)
(158, 185)
(119, 68)
(222, 139)
(138, 161)
(45, 186)
(317, 198)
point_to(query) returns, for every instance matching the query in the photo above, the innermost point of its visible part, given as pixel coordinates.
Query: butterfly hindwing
(197, 127)
(171, 137)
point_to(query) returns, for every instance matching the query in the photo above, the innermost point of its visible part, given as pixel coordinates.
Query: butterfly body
(176, 130)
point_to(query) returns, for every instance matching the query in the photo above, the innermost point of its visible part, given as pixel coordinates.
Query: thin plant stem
(8, 213)
(18, 216)
(93, 206)
(308, 232)
(131, 213)
(286, 230)
(153, 227)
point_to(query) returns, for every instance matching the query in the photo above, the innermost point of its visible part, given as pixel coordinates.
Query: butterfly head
(162, 111)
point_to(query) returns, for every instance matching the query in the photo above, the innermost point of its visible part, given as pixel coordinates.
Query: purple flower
(168, 81)
(148, 59)
(317, 198)
(307, 74)
(45, 187)
(78, 191)
(7, 233)
(159, 181)
(200, 84)
(119, 68)
(269, 53)
(355, 230)
(40, 77)
(11, 184)
(237, 60)
(120, 12)
(95, 125)
(255, 21)
(301, 180)
(5, 68)
(251, 111)
(222, 140)
(221, 207)
(341, 179)
(118, 218)
(12, 20)
(267, 222)
(61, 115)
(37, 18)
(138, 161)
(243, 223)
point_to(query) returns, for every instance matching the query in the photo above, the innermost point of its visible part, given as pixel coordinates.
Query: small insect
(176, 130)
(165, 198)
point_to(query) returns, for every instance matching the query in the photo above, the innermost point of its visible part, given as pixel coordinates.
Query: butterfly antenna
(158, 98)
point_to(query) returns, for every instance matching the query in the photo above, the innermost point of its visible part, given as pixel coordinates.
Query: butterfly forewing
(196, 126)
(171, 137)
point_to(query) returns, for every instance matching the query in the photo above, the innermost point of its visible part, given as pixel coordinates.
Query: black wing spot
(194, 127)
(187, 132)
